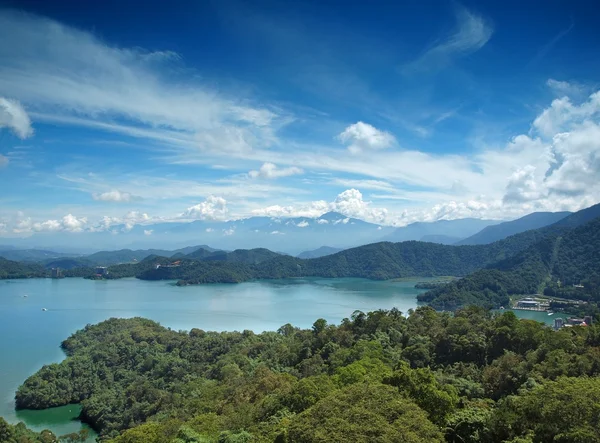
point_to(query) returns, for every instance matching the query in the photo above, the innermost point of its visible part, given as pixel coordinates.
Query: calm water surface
(31, 336)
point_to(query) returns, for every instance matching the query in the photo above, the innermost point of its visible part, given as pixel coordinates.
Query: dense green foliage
(568, 257)
(20, 434)
(14, 269)
(381, 376)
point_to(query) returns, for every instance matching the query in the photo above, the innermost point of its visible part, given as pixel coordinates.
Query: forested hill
(378, 261)
(427, 377)
(14, 269)
(560, 260)
(250, 256)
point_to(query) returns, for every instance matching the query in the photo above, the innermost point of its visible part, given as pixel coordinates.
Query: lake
(31, 336)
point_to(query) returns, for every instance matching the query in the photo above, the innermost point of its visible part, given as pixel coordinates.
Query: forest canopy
(379, 376)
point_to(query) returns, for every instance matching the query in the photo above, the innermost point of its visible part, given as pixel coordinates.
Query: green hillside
(570, 257)
(14, 269)
(377, 377)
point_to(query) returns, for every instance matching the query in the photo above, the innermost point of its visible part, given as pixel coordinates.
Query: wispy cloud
(471, 34)
(544, 50)
(70, 73)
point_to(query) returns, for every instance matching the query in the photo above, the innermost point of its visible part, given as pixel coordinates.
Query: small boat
(550, 313)
(44, 309)
(25, 296)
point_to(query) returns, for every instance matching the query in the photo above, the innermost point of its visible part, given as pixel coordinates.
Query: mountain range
(499, 231)
(524, 263)
(289, 235)
(441, 231)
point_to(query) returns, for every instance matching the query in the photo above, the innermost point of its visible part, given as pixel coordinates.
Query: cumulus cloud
(14, 117)
(209, 229)
(277, 233)
(312, 210)
(271, 171)
(323, 221)
(213, 208)
(115, 196)
(229, 231)
(148, 231)
(362, 136)
(69, 223)
(349, 203)
(563, 115)
(522, 186)
(303, 224)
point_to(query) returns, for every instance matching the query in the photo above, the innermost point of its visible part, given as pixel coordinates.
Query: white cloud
(472, 34)
(311, 210)
(269, 170)
(148, 231)
(69, 223)
(563, 115)
(209, 229)
(3, 161)
(565, 89)
(522, 186)
(323, 221)
(303, 224)
(351, 204)
(229, 231)
(14, 117)
(133, 218)
(362, 136)
(63, 72)
(277, 233)
(115, 196)
(213, 208)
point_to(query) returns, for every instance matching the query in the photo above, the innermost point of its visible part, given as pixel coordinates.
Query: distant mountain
(106, 258)
(30, 254)
(458, 229)
(67, 263)
(289, 235)
(319, 252)
(497, 232)
(441, 239)
(250, 256)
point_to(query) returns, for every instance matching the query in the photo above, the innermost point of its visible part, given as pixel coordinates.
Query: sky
(390, 112)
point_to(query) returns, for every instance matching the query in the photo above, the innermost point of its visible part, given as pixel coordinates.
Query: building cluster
(101, 271)
(532, 304)
(56, 273)
(171, 265)
(560, 323)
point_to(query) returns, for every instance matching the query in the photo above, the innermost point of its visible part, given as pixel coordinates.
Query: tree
(362, 413)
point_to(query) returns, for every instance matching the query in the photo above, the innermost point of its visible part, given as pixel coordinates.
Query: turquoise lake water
(31, 336)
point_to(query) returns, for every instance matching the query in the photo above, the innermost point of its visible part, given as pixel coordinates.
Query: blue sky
(391, 112)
